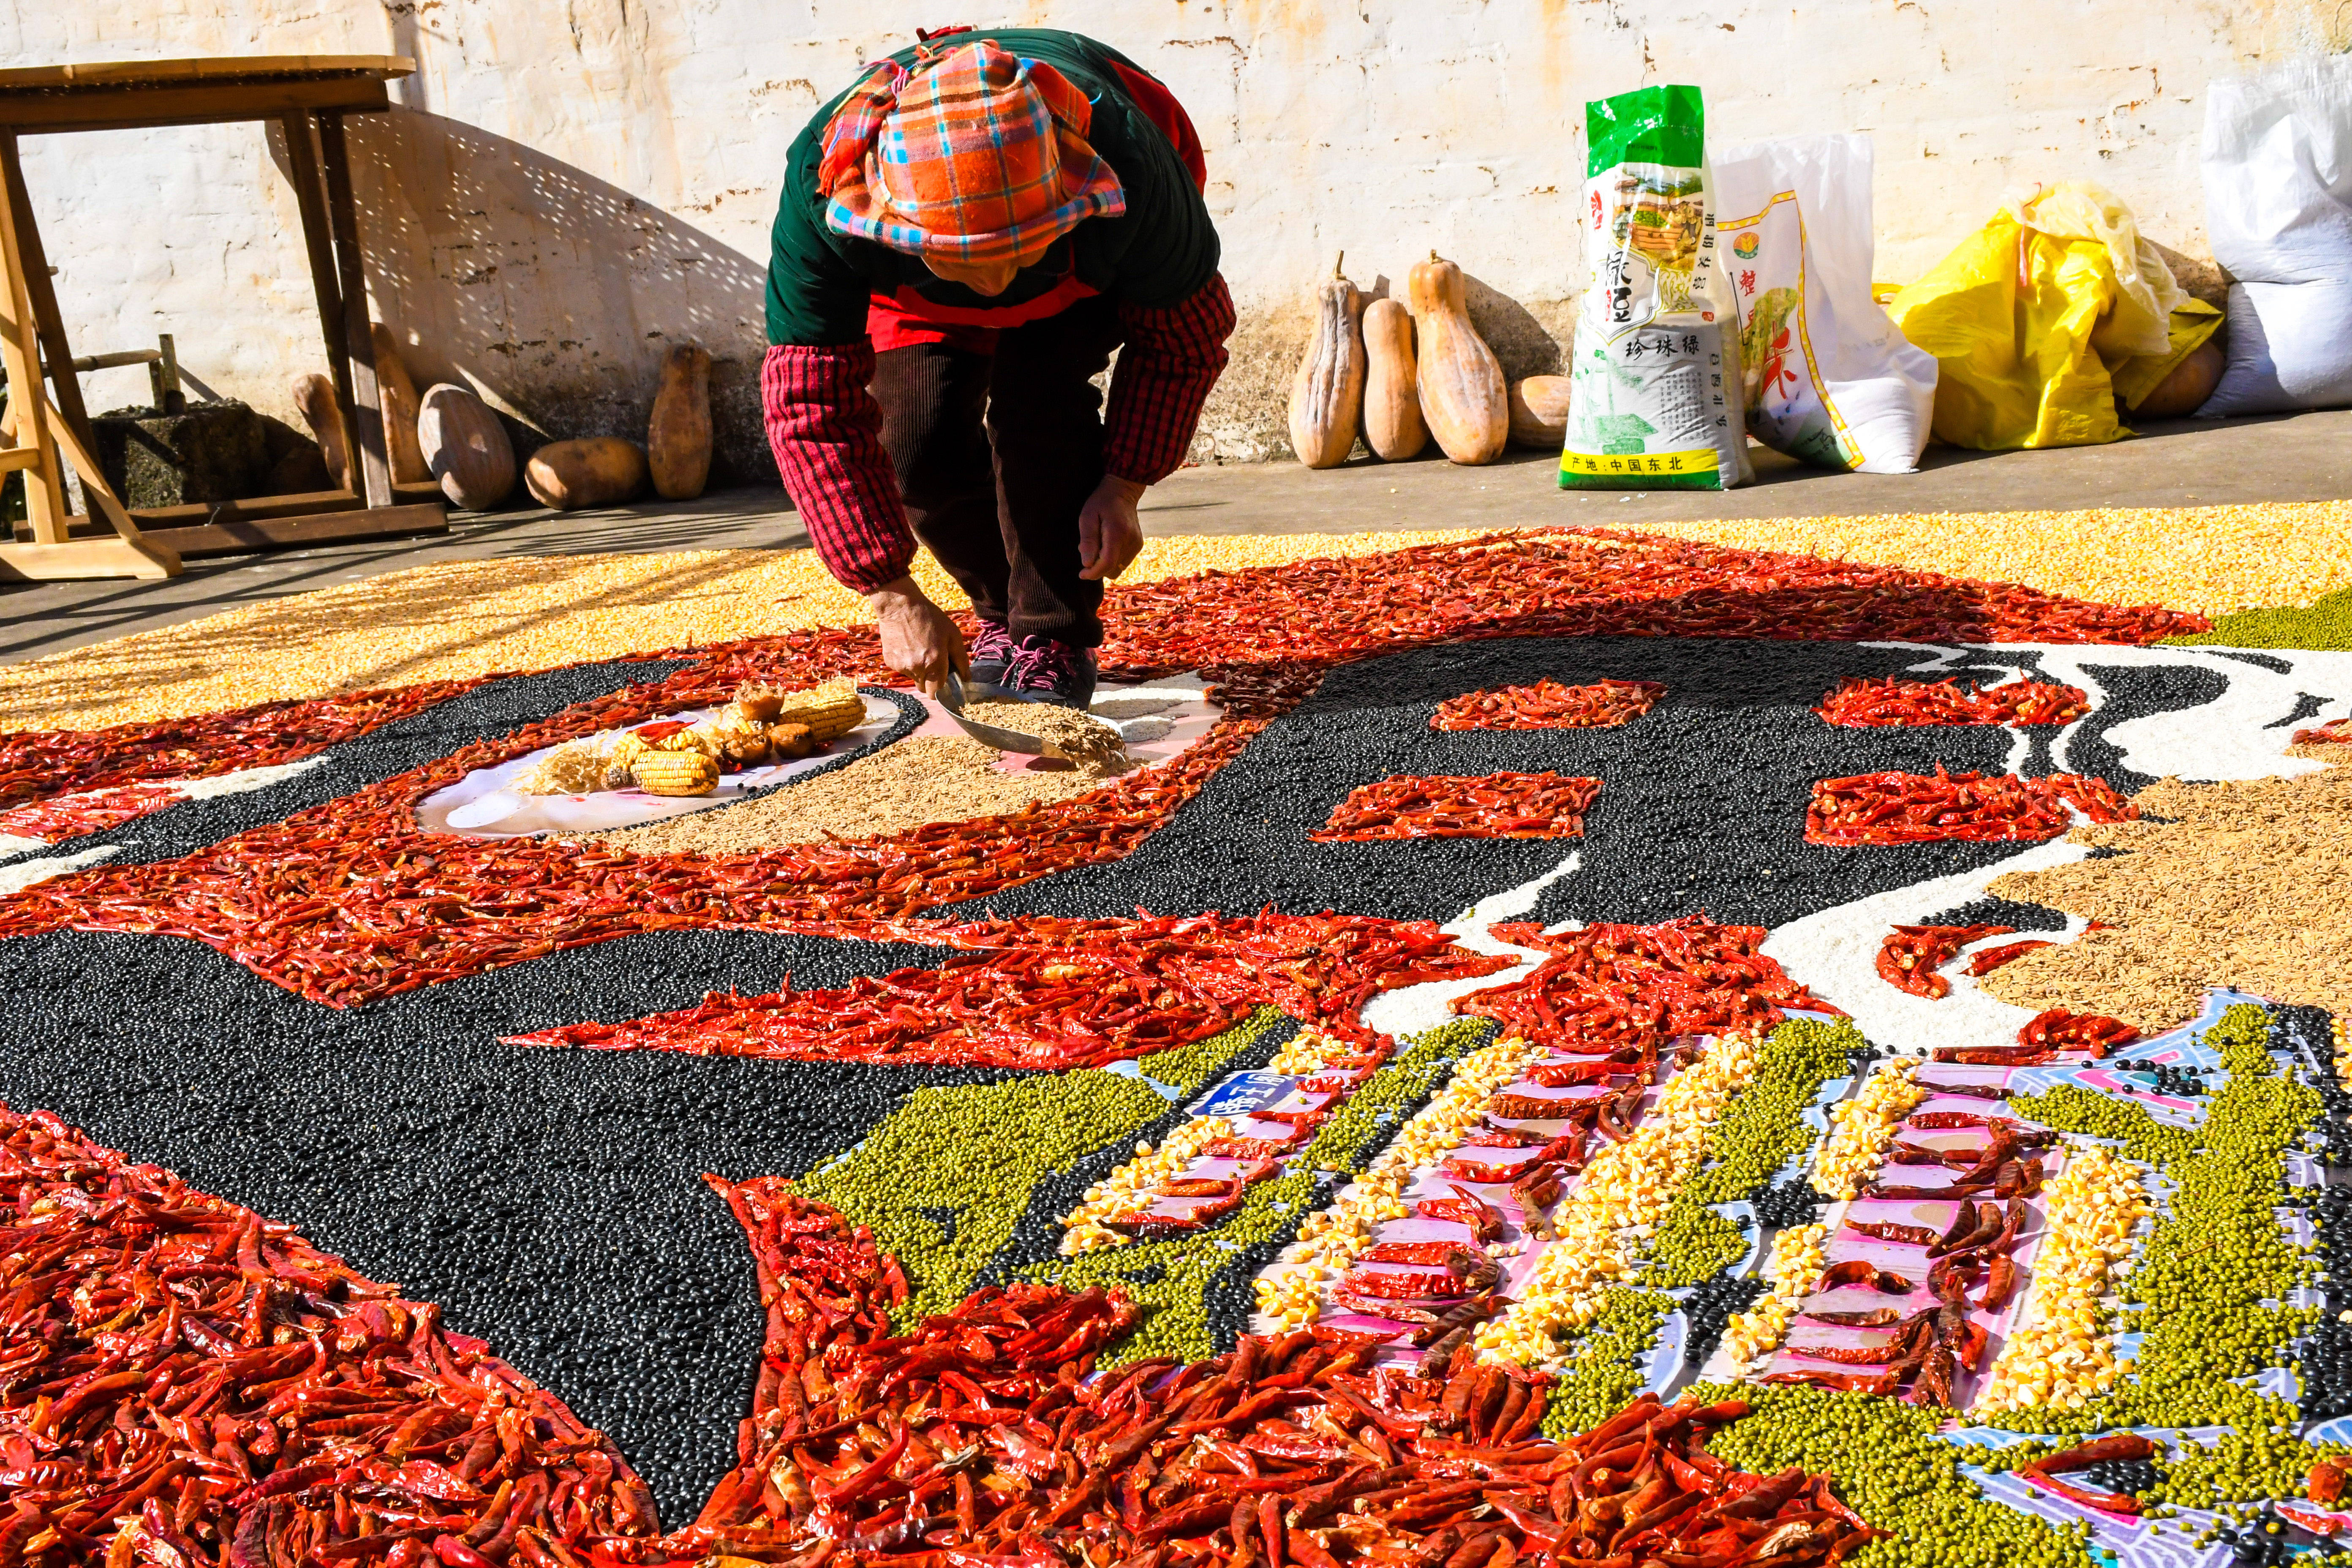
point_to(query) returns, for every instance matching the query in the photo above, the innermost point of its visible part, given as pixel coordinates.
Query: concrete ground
(2303, 457)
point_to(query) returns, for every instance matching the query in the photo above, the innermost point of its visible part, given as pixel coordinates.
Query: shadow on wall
(551, 294)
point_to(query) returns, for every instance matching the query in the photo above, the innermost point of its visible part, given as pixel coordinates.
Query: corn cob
(674, 772)
(786, 742)
(831, 710)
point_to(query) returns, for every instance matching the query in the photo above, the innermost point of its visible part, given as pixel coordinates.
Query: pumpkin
(396, 396)
(678, 437)
(597, 471)
(1328, 392)
(1539, 411)
(315, 397)
(2185, 389)
(1393, 428)
(1461, 382)
(466, 448)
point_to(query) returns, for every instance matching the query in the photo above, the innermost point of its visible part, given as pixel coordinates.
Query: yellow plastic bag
(2031, 316)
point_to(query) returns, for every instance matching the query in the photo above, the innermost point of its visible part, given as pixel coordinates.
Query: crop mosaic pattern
(1142, 1180)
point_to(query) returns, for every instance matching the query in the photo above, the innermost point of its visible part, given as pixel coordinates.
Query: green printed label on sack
(1654, 372)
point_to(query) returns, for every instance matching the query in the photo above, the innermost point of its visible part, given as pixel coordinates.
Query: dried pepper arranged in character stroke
(1617, 987)
(1915, 808)
(188, 1384)
(1494, 805)
(1548, 705)
(1910, 955)
(1893, 701)
(61, 817)
(1047, 994)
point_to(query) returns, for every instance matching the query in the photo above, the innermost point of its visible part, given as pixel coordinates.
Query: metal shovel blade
(951, 698)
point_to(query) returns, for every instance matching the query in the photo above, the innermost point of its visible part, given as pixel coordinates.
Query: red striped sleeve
(1171, 358)
(826, 430)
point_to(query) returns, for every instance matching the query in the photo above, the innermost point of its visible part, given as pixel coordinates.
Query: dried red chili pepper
(2057, 1029)
(1548, 705)
(1497, 805)
(1894, 700)
(67, 816)
(1914, 808)
(1909, 957)
(333, 1411)
(1991, 958)
(1626, 987)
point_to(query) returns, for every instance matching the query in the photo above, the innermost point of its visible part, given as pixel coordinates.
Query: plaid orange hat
(975, 155)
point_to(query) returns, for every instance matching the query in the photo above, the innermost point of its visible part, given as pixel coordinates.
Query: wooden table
(308, 96)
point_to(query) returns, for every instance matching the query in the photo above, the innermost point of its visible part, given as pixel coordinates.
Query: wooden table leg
(302, 163)
(359, 344)
(48, 323)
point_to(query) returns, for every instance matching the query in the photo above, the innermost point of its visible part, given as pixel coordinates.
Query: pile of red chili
(91, 811)
(1909, 957)
(1894, 700)
(1058, 994)
(1617, 987)
(42, 763)
(1548, 705)
(186, 1384)
(979, 1438)
(1914, 808)
(2335, 733)
(1496, 806)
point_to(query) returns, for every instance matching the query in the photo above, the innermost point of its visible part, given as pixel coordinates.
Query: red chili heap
(1498, 805)
(1049, 994)
(1614, 987)
(39, 763)
(981, 1438)
(1894, 700)
(2044, 1037)
(188, 1384)
(70, 817)
(2335, 733)
(1548, 705)
(1909, 957)
(1912, 808)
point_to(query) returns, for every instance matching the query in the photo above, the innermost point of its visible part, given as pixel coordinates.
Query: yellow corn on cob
(833, 711)
(674, 772)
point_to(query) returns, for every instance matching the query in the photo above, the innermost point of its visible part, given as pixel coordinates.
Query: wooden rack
(308, 96)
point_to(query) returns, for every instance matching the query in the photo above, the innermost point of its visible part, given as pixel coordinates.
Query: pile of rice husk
(2243, 886)
(917, 782)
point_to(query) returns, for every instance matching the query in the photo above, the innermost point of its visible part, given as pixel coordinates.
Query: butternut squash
(315, 397)
(1462, 391)
(599, 471)
(466, 448)
(1393, 428)
(1326, 395)
(396, 396)
(1540, 411)
(678, 437)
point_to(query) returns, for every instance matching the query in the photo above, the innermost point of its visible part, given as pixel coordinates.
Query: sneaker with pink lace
(991, 650)
(1045, 671)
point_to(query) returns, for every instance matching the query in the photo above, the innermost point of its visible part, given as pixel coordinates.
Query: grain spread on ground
(920, 781)
(2222, 884)
(1094, 746)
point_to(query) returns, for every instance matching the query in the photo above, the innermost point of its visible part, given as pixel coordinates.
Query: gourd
(678, 437)
(396, 396)
(1539, 411)
(1393, 428)
(466, 448)
(597, 471)
(2185, 390)
(314, 395)
(1327, 394)
(1462, 391)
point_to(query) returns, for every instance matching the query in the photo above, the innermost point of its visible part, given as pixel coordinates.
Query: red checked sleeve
(826, 430)
(1171, 358)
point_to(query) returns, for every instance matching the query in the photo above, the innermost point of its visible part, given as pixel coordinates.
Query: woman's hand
(1109, 534)
(918, 639)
